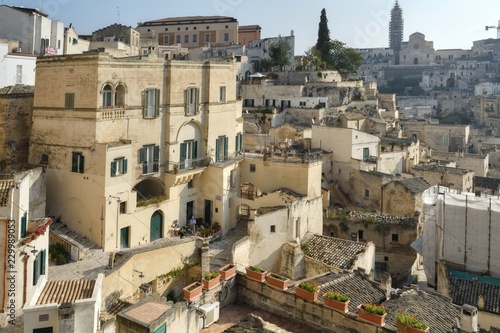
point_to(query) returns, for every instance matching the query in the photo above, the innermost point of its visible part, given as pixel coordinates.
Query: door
(366, 154)
(161, 329)
(208, 211)
(43, 330)
(124, 237)
(156, 226)
(189, 210)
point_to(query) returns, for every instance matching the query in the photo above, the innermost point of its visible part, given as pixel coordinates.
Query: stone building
(418, 51)
(489, 111)
(16, 67)
(396, 30)
(248, 33)
(454, 178)
(487, 185)
(128, 143)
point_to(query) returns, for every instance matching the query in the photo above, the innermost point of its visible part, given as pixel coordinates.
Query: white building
(15, 67)
(258, 50)
(36, 33)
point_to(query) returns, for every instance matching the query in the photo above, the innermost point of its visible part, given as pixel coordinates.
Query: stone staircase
(220, 251)
(69, 239)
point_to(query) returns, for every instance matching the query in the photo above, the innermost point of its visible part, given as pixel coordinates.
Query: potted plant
(255, 273)
(210, 280)
(205, 233)
(372, 313)
(382, 148)
(215, 226)
(192, 291)
(277, 281)
(410, 324)
(227, 272)
(176, 167)
(307, 291)
(336, 301)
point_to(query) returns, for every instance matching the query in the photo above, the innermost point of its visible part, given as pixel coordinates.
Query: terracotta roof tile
(148, 312)
(66, 291)
(334, 252)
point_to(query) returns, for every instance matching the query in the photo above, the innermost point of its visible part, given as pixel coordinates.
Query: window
(190, 184)
(221, 149)
(367, 194)
(226, 37)
(39, 266)
(151, 106)
(24, 223)
(366, 154)
(252, 168)
(166, 40)
(77, 162)
(360, 234)
(239, 142)
(19, 74)
(273, 229)
(302, 103)
(106, 95)
(178, 39)
(44, 159)
(69, 100)
(186, 39)
(207, 38)
(195, 38)
(222, 94)
(123, 207)
(189, 153)
(149, 156)
(386, 258)
(395, 238)
(118, 167)
(248, 102)
(191, 101)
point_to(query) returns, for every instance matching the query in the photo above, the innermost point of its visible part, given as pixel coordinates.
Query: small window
(226, 37)
(222, 95)
(19, 74)
(166, 40)
(302, 103)
(107, 92)
(149, 157)
(191, 101)
(44, 159)
(195, 38)
(178, 39)
(207, 38)
(77, 162)
(367, 194)
(186, 39)
(69, 100)
(395, 238)
(386, 258)
(123, 207)
(190, 184)
(118, 167)
(252, 167)
(273, 229)
(360, 234)
(151, 106)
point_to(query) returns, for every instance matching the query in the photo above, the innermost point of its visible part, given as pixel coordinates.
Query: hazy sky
(359, 23)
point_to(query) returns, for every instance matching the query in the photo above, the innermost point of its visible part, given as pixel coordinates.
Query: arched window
(107, 93)
(156, 226)
(120, 96)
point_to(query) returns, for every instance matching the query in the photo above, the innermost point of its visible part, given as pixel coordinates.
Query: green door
(43, 330)
(156, 227)
(124, 238)
(161, 329)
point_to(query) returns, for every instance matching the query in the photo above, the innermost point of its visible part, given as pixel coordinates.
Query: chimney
(468, 319)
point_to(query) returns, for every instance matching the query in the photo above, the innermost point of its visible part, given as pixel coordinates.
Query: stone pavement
(220, 251)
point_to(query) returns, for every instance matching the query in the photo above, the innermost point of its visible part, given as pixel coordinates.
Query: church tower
(396, 30)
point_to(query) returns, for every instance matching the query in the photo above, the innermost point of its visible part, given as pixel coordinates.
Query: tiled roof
(334, 252)
(359, 290)
(254, 324)
(440, 168)
(470, 292)
(148, 312)
(435, 310)
(249, 27)
(191, 20)
(66, 291)
(5, 186)
(414, 185)
(487, 182)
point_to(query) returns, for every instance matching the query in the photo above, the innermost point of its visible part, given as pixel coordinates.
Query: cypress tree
(323, 43)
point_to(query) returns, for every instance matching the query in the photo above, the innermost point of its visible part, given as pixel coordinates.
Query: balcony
(177, 173)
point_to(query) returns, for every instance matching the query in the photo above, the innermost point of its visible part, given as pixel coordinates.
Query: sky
(358, 23)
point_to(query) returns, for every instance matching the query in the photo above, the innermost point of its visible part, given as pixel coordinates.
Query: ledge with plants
(307, 291)
(227, 271)
(336, 301)
(410, 324)
(192, 291)
(210, 280)
(277, 281)
(372, 313)
(256, 273)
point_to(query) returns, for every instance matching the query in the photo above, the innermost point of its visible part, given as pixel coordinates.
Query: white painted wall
(9, 70)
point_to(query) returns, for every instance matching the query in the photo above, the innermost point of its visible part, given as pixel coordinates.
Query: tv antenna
(488, 27)
(118, 13)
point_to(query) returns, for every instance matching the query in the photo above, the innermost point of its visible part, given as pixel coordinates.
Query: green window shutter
(226, 147)
(186, 101)
(23, 225)
(74, 162)
(113, 169)
(183, 154)
(195, 149)
(82, 164)
(144, 103)
(43, 254)
(240, 147)
(237, 142)
(217, 150)
(196, 100)
(36, 272)
(125, 165)
(142, 155)
(156, 154)
(157, 102)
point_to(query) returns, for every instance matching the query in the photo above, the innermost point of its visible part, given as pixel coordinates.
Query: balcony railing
(188, 164)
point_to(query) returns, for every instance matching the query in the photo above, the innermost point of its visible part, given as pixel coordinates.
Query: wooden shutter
(217, 150)
(186, 101)
(36, 271)
(195, 149)
(157, 102)
(125, 165)
(196, 100)
(142, 155)
(240, 147)
(23, 225)
(237, 142)
(82, 164)
(183, 154)
(113, 169)
(156, 157)
(74, 162)
(43, 255)
(226, 147)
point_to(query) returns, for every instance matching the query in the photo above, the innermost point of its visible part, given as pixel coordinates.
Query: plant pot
(410, 329)
(306, 295)
(336, 305)
(277, 283)
(227, 272)
(375, 319)
(211, 284)
(261, 277)
(192, 291)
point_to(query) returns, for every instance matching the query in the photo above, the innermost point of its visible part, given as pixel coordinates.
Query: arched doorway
(450, 83)
(156, 226)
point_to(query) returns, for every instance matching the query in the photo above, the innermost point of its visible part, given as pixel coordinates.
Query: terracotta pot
(277, 283)
(192, 291)
(261, 277)
(410, 329)
(371, 317)
(227, 272)
(211, 284)
(336, 305)
(306, 295)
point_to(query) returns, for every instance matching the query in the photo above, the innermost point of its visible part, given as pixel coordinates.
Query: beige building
(133, 146)
(455, 178)
(489, 111)
(191, 31)
(248, 33)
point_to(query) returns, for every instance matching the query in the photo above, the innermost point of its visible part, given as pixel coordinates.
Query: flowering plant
(375, 309)
(311, 287)
(40, 230)
(336, 296)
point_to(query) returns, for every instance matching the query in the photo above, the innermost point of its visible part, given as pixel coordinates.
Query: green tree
(342, 58)
(323, 36)
(280, 53)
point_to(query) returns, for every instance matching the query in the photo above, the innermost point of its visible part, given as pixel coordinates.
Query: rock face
(337, 95)
(255, 324)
